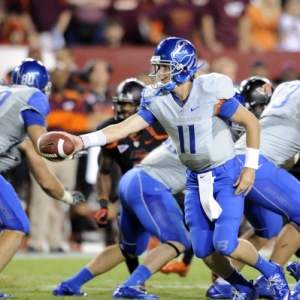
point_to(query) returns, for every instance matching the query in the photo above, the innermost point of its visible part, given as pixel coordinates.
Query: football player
(275, 191)
(193, 111)
(147, 207)
(127, 152)
(182, 266)
(24, 106)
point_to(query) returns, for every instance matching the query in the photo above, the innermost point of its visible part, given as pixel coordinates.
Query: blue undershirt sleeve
(228, 108)
(146, 115)
(32, 117)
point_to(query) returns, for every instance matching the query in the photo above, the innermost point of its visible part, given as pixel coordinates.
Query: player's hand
(73, 198)
(78, 198)
(245, 181)
(102, 214)
(77, 141)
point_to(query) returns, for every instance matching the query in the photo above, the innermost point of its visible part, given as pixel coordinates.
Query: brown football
(55, 145)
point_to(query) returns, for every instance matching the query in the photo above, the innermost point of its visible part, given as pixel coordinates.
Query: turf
(34, 277)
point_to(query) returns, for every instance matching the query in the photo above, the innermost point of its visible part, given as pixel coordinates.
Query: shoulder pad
(218, 83)
(148, 95)
(40, 103)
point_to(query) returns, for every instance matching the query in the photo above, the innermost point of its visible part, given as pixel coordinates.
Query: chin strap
(173, 84)
(169, 87)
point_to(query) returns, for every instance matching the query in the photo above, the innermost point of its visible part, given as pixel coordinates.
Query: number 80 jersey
(14, 100)
(201, 137)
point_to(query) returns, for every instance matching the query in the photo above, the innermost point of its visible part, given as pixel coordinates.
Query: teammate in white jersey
(256, 92)
(194, 112)
(23, 108)
(147, 207)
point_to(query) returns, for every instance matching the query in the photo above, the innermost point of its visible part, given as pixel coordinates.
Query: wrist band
(93, 139)
(251, 159)
(67, 197)
(103, 202)
(296, 157)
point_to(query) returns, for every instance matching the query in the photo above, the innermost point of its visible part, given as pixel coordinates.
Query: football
(55, 145)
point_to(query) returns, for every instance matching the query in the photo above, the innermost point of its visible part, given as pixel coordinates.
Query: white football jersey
(280, 125)
(163, 164)
(13, 100)
(202, 139)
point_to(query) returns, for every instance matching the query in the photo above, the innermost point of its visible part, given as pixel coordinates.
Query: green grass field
(34, 277)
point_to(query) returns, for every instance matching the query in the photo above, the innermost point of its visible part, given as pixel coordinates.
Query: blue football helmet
(32, 73)
(179, 59)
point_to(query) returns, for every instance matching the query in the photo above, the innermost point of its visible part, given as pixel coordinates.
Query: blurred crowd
(247, 25)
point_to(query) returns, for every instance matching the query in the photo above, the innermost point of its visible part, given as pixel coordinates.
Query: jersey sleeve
(32, 117)
(227, 108)
(146, 115)
(39, 102)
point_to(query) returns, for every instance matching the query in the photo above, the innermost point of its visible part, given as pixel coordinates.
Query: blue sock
(79, 279)
(265, 267)
(239, 281)
(138, 277)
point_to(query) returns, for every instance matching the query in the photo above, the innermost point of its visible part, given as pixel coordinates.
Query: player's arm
(103, 186)
(45, 178)
(34, 132)
(111, 133)
(105, 162)
(252, 127)
(34, 123)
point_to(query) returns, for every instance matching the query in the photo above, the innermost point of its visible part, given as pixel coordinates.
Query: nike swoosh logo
(148, 142)
(202, 176)
(259, 166)
(52, 144)
(194, 108)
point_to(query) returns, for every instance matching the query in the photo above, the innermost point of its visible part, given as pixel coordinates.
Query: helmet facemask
(125, 109)
(164, 69)
(257, 92)
(47, 89)
(126, 101)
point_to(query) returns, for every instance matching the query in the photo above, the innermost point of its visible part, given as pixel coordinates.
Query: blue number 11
(191, 136)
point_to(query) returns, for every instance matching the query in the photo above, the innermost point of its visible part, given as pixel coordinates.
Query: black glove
(102, 213)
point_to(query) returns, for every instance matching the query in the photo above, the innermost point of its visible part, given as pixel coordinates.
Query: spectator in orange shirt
(258, 28)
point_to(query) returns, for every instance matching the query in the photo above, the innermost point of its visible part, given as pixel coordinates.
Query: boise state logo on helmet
(183, 56)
